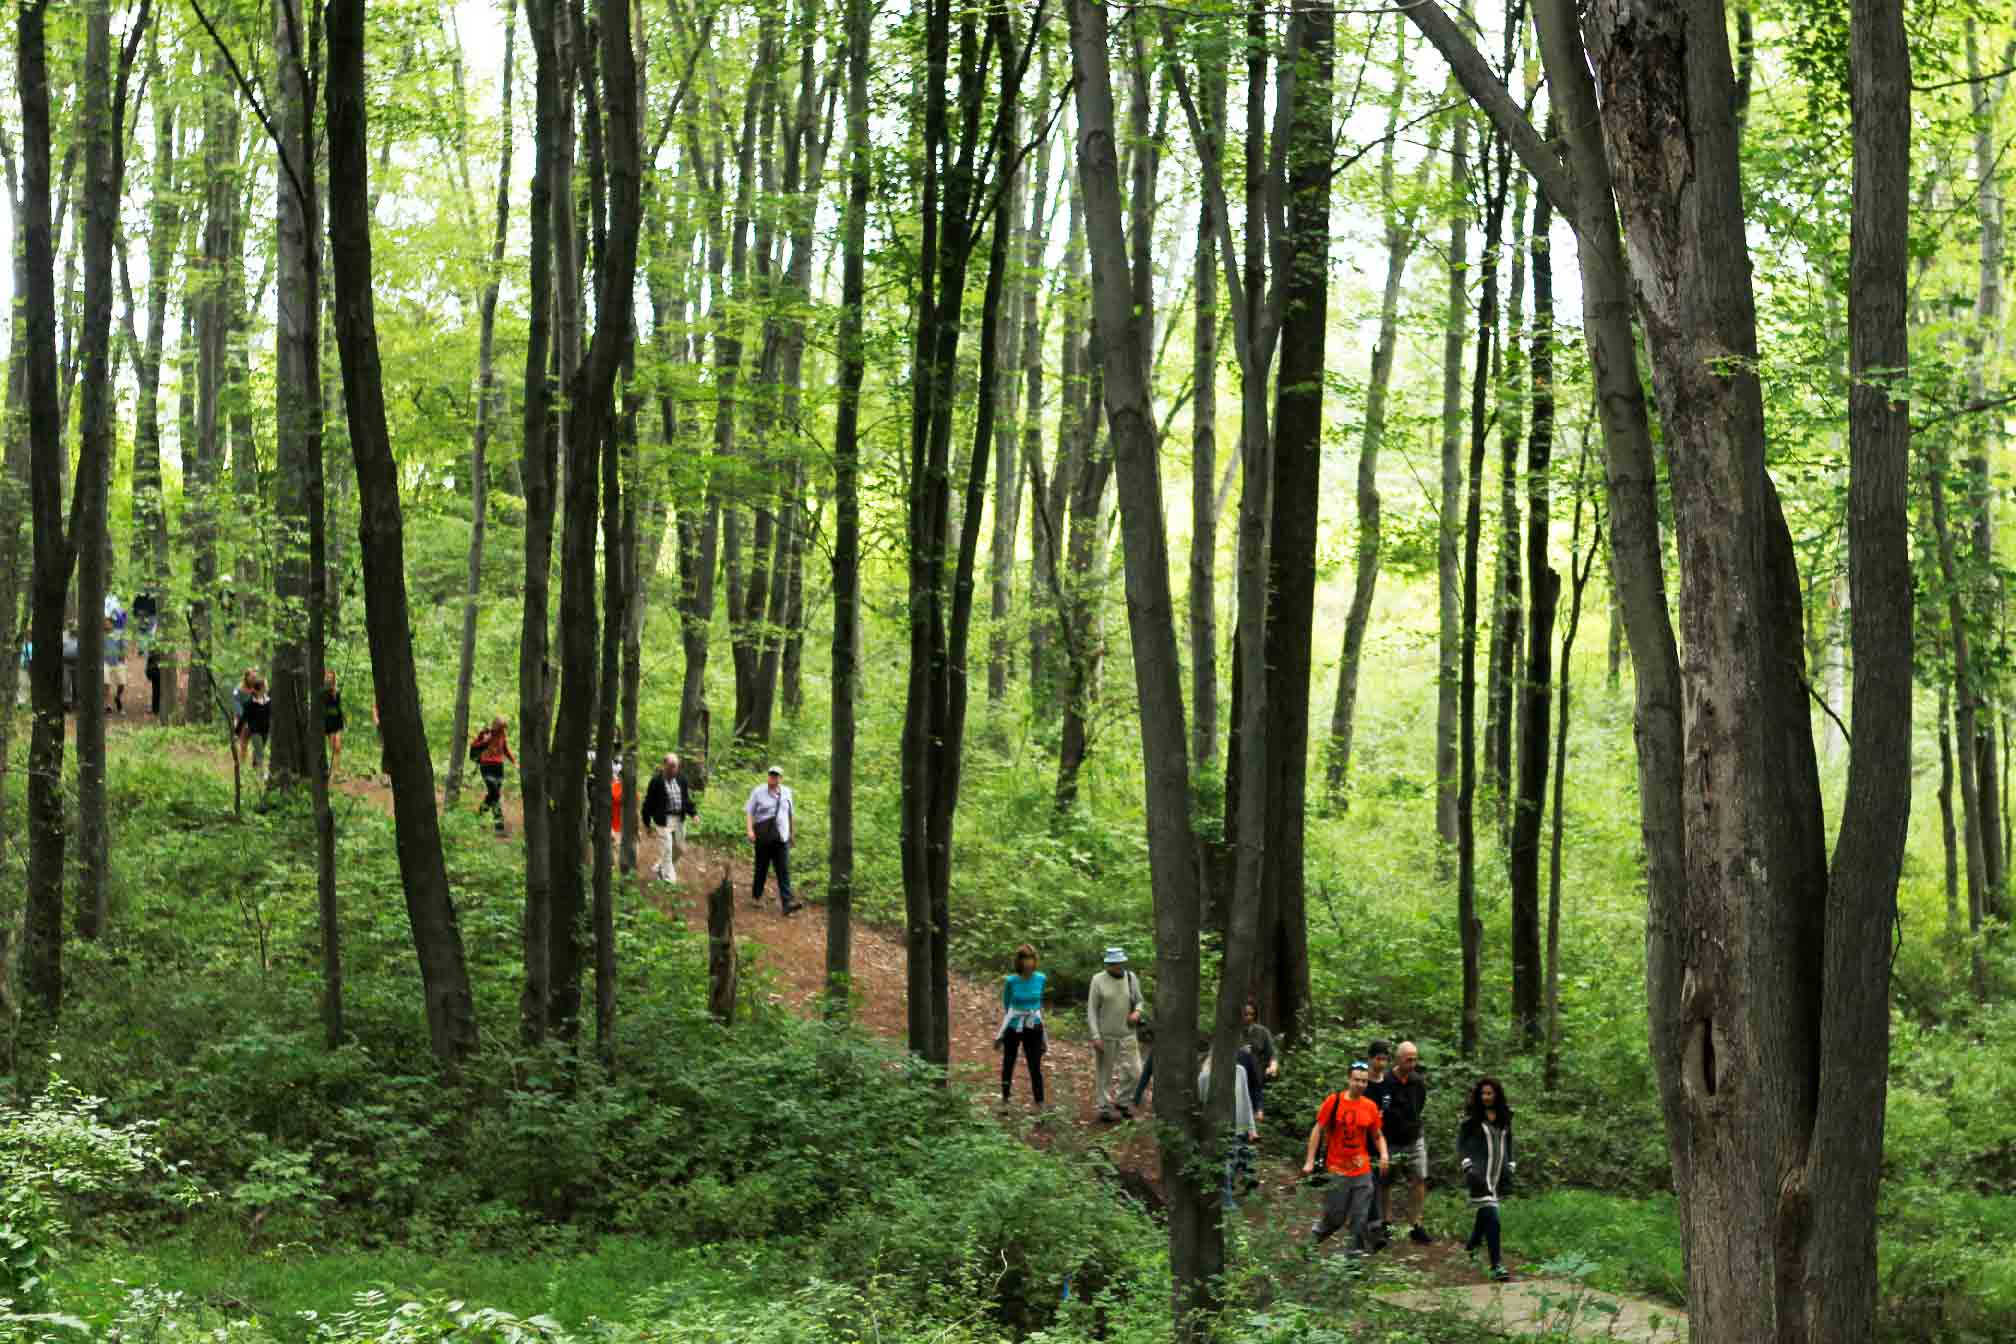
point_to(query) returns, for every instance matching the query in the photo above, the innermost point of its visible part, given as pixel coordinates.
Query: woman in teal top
(1022, 1022)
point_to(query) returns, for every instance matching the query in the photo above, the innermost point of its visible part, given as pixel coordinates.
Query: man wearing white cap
(769, 816)
(1112, 1011)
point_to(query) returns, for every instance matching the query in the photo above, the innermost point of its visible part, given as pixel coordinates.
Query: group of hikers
(1381, 1110)
(112, 673)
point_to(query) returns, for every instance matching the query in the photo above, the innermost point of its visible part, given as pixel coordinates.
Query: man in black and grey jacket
(667, 805)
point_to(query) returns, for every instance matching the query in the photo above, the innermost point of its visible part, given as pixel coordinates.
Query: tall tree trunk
(1281, 968)
(847, 521)
(101, 125)
(297, 704)
(1965, 701)
(1401, 238)
(1508, 586)
(487, 408)
(1448, 532)
(1213, 80)
(451, 1019)
(1196, 1236)
(150, 560)
(42, 941)
(1985, 343)
(14, 505)
(1948, 837)
(1529, 996)
(551, 213)
(1579, 570)
(1470, 929)
(1007, 508)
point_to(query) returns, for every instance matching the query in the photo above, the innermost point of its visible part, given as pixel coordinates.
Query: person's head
(775, 779)
(1361, 1073)
(329, 677)
(497, 724)
(258, 685)
(669, 767)
(251, 676)
(1116, 962)
(1488, 1094)
(1249, 1013)
(1381, 1054)
(1025, 959)
(1405, 1057)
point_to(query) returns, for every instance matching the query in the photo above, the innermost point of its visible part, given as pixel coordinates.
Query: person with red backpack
(1347, 1125)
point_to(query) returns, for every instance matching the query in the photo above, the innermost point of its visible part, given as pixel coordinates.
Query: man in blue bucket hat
(1112, 1012)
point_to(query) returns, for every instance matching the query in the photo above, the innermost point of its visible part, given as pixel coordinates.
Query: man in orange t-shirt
(1351, 1120)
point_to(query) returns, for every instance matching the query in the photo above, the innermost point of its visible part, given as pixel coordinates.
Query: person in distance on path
(1350, 1122)
(1258, 1042)
(1113, 1011)
(1022, 1023)
(667, 804)
(115, 667)
(769, 817)
(1239, 1152)
(332, 718)
(492, 747)
(1485, 1145)
(258, 722)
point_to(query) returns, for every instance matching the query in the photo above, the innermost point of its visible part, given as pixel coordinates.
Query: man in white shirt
(769, 817)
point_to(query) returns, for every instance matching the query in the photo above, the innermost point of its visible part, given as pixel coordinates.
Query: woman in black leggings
(1022, 1023)
(1485, 1145)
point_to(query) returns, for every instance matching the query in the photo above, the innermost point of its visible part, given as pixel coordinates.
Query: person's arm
(1379, 1132)
(1005, 991)
(1273, 1057)
(1309, 1158)
(749, 817)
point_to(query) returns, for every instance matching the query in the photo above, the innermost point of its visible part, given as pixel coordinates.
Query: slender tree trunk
(1401, 238)
(1007, 437)
(1213, 82)
(1964, 711)
(1985, 343)
(1448, 694)
(150, 560)
(1470, 929)
(847, 521)
(451, 1019)
(487, 408)
(14, 505)
(1947, 835)
(1508, 586)
(1579, 570)
(1529, 996)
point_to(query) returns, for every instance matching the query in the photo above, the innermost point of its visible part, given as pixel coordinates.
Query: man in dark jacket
(667, 804)
(1402, 1096)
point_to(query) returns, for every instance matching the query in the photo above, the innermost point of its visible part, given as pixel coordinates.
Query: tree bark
(42, 932)
(1213, 80)
(1448, 533)
(1579, 570)
(487, 408)
(430, 908)
(1196, 1236)
(150, 559)
(847, 521)
(1529, 997)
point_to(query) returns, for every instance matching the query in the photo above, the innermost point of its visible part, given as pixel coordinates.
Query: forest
(1454, 534)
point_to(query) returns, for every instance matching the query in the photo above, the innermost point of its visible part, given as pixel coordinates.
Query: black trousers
(1485, 1229)
(1028, 1040)
(493, 790)
(774, 854)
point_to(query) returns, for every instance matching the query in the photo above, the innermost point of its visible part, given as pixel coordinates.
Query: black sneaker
(1499, 1274)
(1419, 1235)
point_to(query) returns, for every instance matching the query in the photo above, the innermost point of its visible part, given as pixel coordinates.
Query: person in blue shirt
(1022, 1023)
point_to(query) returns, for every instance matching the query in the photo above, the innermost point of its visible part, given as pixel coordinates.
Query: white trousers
(671, 843)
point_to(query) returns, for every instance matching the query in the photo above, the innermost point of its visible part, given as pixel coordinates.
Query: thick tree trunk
(451, 1019)
(847, 522)
(1535, 691)
(487, 407)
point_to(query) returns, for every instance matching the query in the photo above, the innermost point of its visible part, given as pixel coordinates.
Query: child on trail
(1022, 1023)
(258, 721)
(332, 718)
(491, 749)
(1350, 1122)
(1485, 1145)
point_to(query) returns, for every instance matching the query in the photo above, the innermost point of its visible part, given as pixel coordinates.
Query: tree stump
(721, 969)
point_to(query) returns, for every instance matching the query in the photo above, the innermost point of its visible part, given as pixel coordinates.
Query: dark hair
(1379, 1048)
(1025, 950)
(1473, 1107)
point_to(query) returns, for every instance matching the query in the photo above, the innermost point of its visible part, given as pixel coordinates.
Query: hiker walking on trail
(258, 725)
(1022, 1023)
(491, 748)
(1240, 1156)
(1484, 1144)
(1257, 1045)
(241, 696)
(332, 718)
(1113, 1011)
(1403, 1098)
(115, 667)
(667, 804)
(1347, 1125)
(769, 818)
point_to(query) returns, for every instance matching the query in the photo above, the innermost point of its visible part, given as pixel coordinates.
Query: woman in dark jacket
(1484, 1144)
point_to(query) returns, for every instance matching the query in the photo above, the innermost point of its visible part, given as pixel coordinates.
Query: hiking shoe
(1419, 1235)
(1126, 1112)
(1499, 1274)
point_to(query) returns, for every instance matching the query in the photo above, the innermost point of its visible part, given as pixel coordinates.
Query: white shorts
(115, 673)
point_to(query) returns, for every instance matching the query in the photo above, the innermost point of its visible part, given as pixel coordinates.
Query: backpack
(1322, 1173)
(476, 749)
